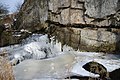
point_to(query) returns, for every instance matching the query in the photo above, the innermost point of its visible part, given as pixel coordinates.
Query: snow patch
(38, 46)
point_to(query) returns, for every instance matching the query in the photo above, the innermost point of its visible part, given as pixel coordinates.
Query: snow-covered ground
(41, 59)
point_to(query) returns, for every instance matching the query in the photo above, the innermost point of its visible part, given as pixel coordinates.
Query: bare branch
(3, 9)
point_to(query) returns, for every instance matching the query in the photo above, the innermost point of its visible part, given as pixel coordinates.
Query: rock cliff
(91, 25)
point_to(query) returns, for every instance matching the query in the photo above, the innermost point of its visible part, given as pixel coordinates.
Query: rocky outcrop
(101, 8)
(100, 13)
(88, 39)
(33, 15)
(96, 22)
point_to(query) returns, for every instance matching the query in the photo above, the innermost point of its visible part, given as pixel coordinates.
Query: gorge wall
(90, 25)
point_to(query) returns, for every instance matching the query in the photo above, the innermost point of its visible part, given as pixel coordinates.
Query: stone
(76, 4)
(33, 15)
(81, 0)
(96, 68)
(76, 17)
(102, 23)
(38, 15)
(102, 36)
(65, 16)
(54, 6)
(64, 3)
(76, 31)
(75, 38)
(37, 12)
(55, 18)
(99, 40)
(114, 75)
(100, 8)
(88, 20)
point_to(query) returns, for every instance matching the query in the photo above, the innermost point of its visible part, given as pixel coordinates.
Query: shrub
(6, 72)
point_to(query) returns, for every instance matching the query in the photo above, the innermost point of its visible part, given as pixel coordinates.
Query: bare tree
(3, 9)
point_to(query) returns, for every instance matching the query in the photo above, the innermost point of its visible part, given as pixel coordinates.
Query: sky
(11, 4)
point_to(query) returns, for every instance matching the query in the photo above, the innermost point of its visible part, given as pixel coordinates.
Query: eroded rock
(100, 8)
(49, 15)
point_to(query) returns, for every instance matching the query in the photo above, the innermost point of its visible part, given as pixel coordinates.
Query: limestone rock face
(98, 40)
(100, 8)
(39, 15)
(89, 39)
(32, 14)
(37, 12)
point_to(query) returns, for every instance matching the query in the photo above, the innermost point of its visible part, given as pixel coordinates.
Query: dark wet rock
(115, 75)
(97, 68)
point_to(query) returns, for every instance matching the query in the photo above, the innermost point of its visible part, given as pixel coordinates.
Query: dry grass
(6, 72)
